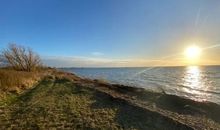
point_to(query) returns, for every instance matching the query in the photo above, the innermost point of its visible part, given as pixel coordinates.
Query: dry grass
(15, 81)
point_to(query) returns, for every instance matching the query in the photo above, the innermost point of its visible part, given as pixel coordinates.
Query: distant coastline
(133, 67)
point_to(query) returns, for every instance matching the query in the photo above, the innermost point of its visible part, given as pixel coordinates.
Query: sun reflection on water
(192, 77)
(194, 82)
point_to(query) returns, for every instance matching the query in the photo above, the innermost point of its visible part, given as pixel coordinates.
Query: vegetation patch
(63, 104)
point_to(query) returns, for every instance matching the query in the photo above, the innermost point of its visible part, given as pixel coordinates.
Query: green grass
(59, 103)
(62, 104)
(8, 99)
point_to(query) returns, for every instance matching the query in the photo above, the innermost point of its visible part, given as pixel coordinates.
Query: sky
(113, 33)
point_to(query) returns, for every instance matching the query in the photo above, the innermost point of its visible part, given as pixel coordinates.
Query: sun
(193, 52)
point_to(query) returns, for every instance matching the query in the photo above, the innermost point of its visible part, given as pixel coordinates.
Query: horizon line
(137, 66)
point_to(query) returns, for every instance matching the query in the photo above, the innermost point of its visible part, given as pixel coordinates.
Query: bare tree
(20, 58)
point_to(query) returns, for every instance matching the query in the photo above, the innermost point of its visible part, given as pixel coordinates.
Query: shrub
(20, 58)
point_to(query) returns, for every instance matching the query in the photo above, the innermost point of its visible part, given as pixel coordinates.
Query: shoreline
(181, 109)
(158, 89)
(170, 109)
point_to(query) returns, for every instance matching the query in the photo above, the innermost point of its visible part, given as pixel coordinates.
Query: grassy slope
(65, 101)
(60, 103)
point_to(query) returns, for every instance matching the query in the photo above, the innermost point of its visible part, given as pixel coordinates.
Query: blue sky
(96, 33)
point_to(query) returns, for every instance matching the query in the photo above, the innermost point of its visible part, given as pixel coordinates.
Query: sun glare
(193, 52)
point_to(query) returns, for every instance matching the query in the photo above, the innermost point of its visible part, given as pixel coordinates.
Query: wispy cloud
(97, 54)
(59, 61)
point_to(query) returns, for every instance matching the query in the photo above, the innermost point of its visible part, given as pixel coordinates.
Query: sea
(199, 83)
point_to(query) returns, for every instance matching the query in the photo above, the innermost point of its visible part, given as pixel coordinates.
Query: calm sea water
(194, 82)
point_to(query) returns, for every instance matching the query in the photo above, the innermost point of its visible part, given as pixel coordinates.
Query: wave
(199, 90)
